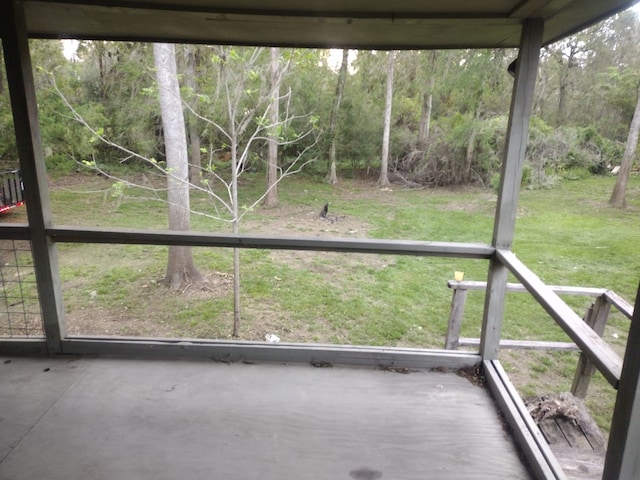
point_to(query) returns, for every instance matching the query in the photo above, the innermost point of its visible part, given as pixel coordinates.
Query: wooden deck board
(576, 441)
(184, 419)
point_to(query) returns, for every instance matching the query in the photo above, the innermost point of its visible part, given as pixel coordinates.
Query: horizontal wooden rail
(518, 287)
(599, 352)
(197, 239)
(596, 318)
(458, 301)
(15, 231)
(522, 344)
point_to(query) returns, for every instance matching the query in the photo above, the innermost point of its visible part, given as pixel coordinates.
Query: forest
(99, 109)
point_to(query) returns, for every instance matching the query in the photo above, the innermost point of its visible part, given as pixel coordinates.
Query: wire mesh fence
(20, 314)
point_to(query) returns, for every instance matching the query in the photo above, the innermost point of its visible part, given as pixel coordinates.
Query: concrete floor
(85, 418)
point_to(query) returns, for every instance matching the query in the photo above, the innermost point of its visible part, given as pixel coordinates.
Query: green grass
(567, 235)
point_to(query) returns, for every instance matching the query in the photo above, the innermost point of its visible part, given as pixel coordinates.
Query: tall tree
(427, 103)
(383, 180)
(271, 198)
(195, 162)
(618, 197)
(568, 57)
(181, 269)
(333, 122)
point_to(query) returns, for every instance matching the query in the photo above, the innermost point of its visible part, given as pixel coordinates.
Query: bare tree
(245, 125)
(383, 180)
(333, 122)
(180, 269)
(618, 196)
(271, 200)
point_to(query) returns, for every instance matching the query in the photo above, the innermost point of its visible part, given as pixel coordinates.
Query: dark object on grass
(324, 211)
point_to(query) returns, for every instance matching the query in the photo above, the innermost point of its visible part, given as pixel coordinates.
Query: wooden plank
(620, 303)
(622, 461)
(511, 175)
(522, 344)
(23, 346)
(201, 239)
(553, 433)
(455, 319)
(600, 353)
(573, 434)
(229, 352)
(25, 119)
(596, 318)
(534, 446)
(14, 231)
(518, 287)
(592, 433)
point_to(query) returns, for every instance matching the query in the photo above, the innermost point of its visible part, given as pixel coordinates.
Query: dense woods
(449, 109)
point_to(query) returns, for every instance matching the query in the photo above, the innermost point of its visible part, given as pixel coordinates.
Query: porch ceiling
(379, 24)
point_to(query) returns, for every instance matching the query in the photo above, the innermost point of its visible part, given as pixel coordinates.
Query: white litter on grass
(272, 338)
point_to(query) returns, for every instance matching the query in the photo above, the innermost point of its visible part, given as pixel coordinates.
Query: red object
(11, 190)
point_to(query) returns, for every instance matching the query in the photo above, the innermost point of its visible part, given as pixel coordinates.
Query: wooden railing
(596, 317)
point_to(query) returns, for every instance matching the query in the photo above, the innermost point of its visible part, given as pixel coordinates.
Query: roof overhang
(371, 24)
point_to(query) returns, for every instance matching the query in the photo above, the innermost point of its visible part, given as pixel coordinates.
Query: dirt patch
(140, 315)
(482, 202)
(304, 222)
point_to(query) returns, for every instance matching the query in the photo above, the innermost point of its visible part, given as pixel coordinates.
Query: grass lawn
(567, 235)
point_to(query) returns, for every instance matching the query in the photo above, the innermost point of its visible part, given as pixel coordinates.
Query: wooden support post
(596, 318)
(510, 179)
(458, 301)
(25, 117)
(622, 461)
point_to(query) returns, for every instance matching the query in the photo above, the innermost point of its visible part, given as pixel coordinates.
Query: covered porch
(114, 407)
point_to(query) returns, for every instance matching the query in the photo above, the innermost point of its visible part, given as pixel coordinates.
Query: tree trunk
(562, 102)
(425, 118)
(180, 269)
(333, 122)
(383, 181)
(195, 161)
(271, 199)
(471, 145)
(99, 46)
(618, 197)
(427, 106)
(563, 87)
